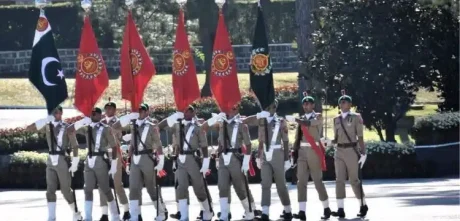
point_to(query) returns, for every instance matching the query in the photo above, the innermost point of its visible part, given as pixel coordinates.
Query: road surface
(388, 200)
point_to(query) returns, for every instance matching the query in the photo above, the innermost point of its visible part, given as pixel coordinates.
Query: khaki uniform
(142, 170)
(273, 161)
(114, 123)
(58, 174)
(188, 165)
(231, 174)
(308, 163)
(346, 154)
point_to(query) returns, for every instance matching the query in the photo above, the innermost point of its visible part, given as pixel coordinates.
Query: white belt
(275, 146)
(307, 144)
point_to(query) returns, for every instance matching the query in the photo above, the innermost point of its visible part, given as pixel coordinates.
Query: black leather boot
(229, 215)
(363, 211)
(104, 218)
(200, 216)
(340, 213)
(287, 216)
(175, 216)
(126, 216)
(301, 215)
(140, 217)
(326, 214)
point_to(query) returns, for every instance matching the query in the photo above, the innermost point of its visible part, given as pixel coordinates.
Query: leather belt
(101, 154)
(187, 152)
(234, 150)
(146, 151)
(346, 145)
(307, 144)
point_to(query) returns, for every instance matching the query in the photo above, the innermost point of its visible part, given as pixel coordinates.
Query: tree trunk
(207, 23)
(379, 132)
(390, 128)
(305, 28)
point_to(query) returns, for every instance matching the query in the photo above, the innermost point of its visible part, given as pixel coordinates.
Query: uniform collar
(236, 118)
(309, 115)
(95, 124)
(108, 119)
(274, 118)
(56, 123)
(345, 114)
(140, 122)
(187, 122)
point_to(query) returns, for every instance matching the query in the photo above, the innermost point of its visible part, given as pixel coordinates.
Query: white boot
(114, 216)
(224, 208)
(183, 209)
(248, 215)
(161, 211)
(207, 214)
(51, 211)
(88, 210)
(134, 209)
(76, 215)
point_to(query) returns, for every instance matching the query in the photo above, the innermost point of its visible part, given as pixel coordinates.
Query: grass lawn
(20, 92)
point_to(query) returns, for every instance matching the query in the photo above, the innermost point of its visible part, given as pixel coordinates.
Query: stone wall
(16, 63)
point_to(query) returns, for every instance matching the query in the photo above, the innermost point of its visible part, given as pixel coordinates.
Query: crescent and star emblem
(45, 62)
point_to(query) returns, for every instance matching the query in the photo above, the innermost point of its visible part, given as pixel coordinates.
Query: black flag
(45, 71)
(260, 72)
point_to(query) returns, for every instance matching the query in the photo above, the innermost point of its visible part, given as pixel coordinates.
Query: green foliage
(380, 53)
(437, 128)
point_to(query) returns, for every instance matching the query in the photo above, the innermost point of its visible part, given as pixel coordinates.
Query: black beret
(97, 110)
(110, 104)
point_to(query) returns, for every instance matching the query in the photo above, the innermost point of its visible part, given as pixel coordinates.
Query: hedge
(436, 129)
(385, 160)
(13, 140)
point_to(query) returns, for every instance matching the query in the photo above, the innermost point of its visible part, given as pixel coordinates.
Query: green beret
(59, 108)
(144, 107)
(97, 110)
(110, 104)
(308, 99)
(345, 98)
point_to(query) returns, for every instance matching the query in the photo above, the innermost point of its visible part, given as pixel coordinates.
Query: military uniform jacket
(242, 135)
(103, 138)
(148, 136)
(197, 137)
(63, 140)
(282, 137)
(353, 125)
(316, 125)
(114, 124)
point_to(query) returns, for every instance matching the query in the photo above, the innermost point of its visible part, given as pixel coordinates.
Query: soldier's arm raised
(163, 124)
(251, 120)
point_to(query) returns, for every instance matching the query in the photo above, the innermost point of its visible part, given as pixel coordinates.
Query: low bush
(13, 140)
(385, 160)
(436, 129)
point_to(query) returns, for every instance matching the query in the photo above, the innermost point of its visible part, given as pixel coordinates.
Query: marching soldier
(60, 140)
(99, 139)
(273, 159)
(309, 157)
(188, 139)
(117, 125)
(143, 167)
(233, 164)
(350, 154)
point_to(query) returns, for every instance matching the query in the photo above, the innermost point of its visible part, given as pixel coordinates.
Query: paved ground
(12, 118)
(389, 200)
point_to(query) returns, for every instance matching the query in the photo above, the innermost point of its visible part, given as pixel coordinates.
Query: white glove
(362, 160)
(39, 124)
(245, 166)
(216, 117)
(263, 114)
(74, 166)
(124, 147)
(127, 137)
(161, 163)
(217, 163)
(171, 120)
(290, 118)
(287, 165)
(205, 166)
(81, 123)
(326, 141)
(291, 161)
(259, 163)
(125, 119)
(127, 169)
(174, 165)
(113, 167)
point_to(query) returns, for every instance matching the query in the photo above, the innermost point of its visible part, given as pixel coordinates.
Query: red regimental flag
(91, 77)
(136, 67)
(224, 79)
(185, 83)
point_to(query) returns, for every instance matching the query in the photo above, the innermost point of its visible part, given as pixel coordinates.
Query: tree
(376, 50)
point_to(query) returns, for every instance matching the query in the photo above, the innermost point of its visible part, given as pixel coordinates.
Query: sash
(59, 138)
(140, 146)
(186, 142)
(269, 153)
(318, 151)
(98, 139)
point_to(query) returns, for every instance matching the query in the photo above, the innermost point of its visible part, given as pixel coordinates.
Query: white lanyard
(188, 136)
(275, 132)
(59, 138)
(98, 139)
(143, 137)
(234, 134)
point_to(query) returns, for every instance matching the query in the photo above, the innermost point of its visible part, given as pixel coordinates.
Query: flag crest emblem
(260, 63)
(221, 62)
(90, 65)
(180, 64)
(42, 24)
(136, 61)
